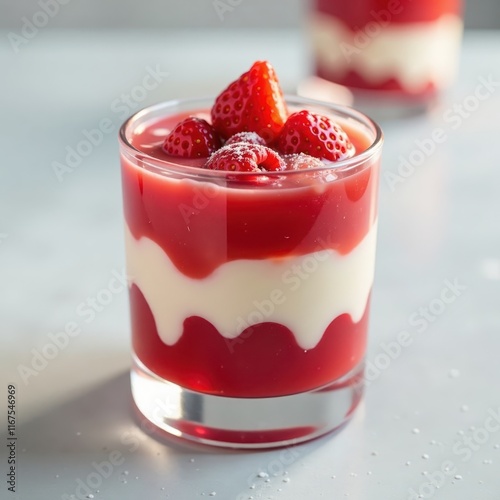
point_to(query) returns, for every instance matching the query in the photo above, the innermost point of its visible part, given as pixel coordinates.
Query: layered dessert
(250, 228)
(401, 48)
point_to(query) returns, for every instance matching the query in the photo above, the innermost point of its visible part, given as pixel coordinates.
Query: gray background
(168, 14)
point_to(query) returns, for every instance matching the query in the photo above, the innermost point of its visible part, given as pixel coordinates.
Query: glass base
(245, 422)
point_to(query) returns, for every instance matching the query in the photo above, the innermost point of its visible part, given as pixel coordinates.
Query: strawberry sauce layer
(201, 225)
(359, 13)
(263, 361)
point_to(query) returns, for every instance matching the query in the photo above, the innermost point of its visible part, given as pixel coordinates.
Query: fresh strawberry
(252, 103)
(248, 137)
(244, 157)
(192, 138)
(315, 135)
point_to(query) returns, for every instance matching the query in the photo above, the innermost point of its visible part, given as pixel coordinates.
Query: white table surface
(60, 242)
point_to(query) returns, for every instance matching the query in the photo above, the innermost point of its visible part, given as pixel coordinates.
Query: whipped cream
(304, 293)
(413, 53)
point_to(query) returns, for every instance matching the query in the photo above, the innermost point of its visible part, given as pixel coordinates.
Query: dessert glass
(387, 51)
(249, 293)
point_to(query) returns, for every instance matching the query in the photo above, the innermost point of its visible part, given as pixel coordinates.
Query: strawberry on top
(252, 130)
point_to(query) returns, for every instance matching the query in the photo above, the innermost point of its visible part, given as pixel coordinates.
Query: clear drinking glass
(249, 293)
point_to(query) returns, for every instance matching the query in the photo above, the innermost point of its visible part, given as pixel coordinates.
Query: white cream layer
(414, 54)
(302, 293)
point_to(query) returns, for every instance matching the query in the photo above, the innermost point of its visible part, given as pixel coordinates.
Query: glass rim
(158, 165)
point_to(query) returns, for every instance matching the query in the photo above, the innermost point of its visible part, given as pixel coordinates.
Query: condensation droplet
(425, 456)
(454, 373)
(416, 430)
